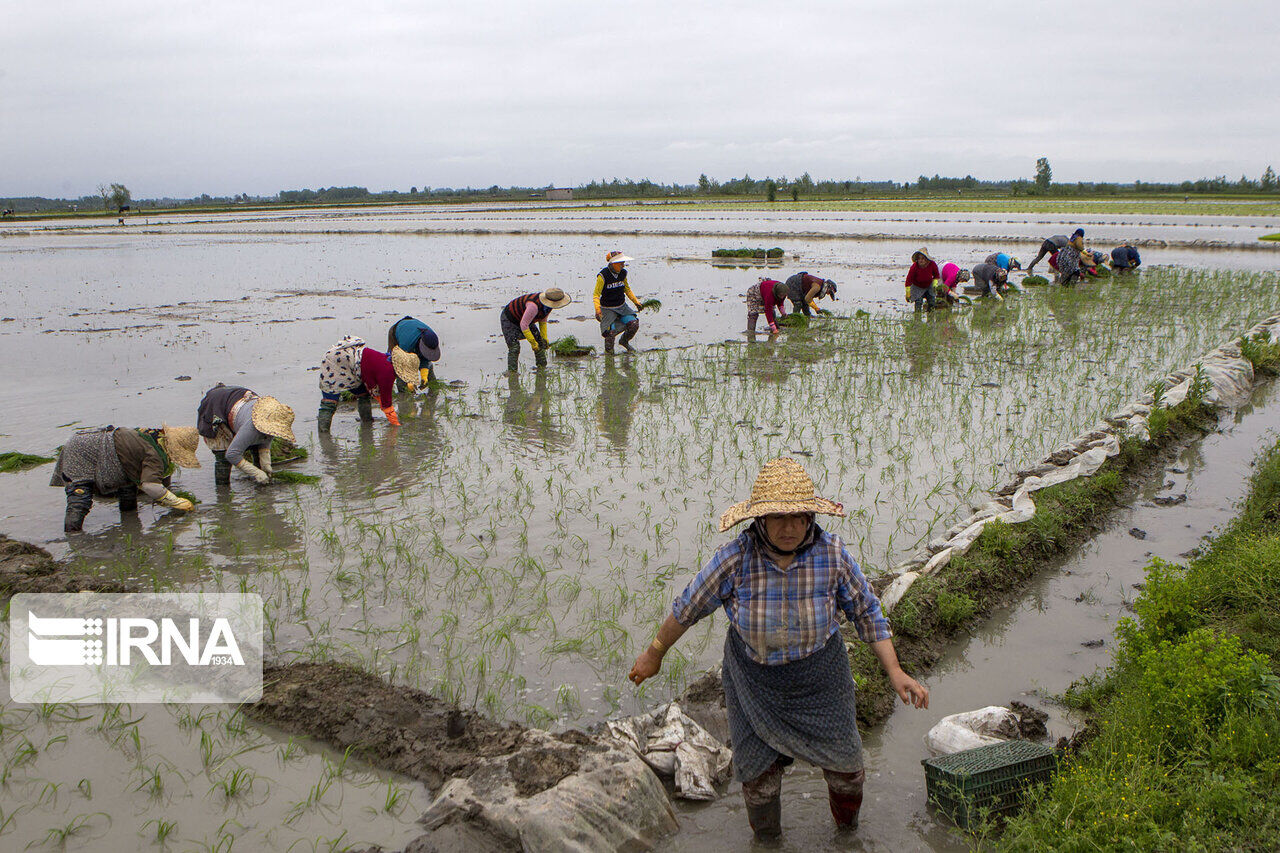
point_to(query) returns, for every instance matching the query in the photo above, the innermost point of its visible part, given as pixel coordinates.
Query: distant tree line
(116, 195)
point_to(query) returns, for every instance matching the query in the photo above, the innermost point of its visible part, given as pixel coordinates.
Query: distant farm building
(560, 194)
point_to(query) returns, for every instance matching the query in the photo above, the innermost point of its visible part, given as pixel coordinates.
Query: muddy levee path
(513, 544)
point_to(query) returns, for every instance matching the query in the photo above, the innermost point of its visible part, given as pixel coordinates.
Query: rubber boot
(766, 820)
(608, 344)
(364, 405)
(128, 498)
(324, 418)
(79, 502)
(222, 468)
(513, 357)
(844, 792)
(632, 328)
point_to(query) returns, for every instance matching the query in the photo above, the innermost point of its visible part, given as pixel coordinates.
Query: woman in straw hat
(921, 280)
(238, 426)
(118, 463)
(787, 683)
(350, 366)
(610, 297)
(414, 336)
(518, 320)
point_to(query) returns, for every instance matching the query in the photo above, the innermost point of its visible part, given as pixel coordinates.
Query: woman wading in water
(787, 683)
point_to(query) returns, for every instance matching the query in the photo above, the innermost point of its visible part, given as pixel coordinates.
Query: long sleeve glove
(259, 476)
(172, 501)
(264, 459)
(425, 374)
(392, 417)
(533, 342)
(906, 293)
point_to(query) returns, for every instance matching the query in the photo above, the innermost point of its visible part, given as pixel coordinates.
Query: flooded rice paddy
(516, 541)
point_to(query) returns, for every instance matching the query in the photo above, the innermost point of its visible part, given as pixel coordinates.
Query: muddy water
(1031, 650)
(603, 479)
(626, 219)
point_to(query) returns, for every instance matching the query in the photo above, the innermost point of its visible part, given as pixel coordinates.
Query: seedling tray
(987, 780)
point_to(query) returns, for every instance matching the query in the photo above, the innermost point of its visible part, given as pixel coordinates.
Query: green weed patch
(1186, 750)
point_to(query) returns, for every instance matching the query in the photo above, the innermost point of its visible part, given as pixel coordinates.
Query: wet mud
(406, 730)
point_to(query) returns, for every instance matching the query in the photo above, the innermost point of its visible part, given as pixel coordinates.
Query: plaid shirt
(784, 616)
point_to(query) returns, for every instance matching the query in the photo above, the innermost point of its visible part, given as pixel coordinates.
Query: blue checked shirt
(784, 616)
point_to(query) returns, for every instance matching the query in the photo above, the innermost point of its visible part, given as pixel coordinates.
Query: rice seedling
(14, 461)
(294, 477)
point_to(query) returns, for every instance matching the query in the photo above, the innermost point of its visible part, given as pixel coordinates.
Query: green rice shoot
(295, 478)
(15, 461)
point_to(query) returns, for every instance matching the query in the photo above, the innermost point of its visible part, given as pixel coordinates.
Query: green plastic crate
(990, 779)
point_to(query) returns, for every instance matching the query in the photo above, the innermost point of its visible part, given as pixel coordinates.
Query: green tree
(1044, 174)
(795, 193)
(771, 190)
(120, 195)
(1269, 180)
(704, 184)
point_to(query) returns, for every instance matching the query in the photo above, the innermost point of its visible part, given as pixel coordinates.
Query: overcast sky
(182, 98)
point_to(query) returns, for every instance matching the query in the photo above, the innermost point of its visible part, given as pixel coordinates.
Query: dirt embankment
(405, 730)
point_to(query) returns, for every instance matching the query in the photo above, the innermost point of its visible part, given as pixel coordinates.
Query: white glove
(264, 457)
(172, 501)
(259, 476)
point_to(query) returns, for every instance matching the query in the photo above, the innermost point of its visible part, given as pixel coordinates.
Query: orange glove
(392, 417)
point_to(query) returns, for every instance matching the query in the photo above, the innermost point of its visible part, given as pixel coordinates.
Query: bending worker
(1125, 257)
(921, 279)
(788, 689)
(990, 280)
(1005, 262)
(805, 290)
(1053, 244)
(414, 336)
(952, 276)
(1068, 260)
(766, 295)
(519, 317)
(610, 298)
(351, 367)
(109, 462)
(238, 426)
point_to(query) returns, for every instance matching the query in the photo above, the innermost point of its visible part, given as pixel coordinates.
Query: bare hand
(646, 666)
(910, 691)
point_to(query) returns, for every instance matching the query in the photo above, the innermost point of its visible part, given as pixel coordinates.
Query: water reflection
(619, 389)
(530, 416)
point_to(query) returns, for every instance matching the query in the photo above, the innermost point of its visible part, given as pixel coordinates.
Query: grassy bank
(1271, 237)
(1186, 751)
(1004, 556)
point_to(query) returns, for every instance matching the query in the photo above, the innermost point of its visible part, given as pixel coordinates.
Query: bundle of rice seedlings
(568, 347)
(294, 477)
(15, 461)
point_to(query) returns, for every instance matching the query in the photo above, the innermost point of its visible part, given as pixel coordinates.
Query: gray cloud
(178, 99)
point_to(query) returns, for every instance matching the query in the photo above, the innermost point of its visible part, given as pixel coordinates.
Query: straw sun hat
(554, 297)
(921, 251)
(782, 486)
(181, 444)
(273, 418)
(406, 365)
